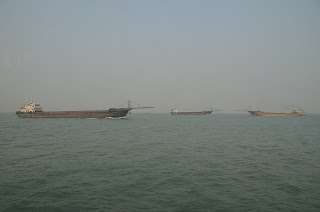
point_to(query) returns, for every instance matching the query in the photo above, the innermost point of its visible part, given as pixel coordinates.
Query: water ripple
(159, 162)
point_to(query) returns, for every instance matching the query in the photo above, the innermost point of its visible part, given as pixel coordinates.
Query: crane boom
(141, 107)
(144, 107)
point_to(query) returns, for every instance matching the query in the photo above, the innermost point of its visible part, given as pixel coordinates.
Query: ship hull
(99, 114)
(259, 113)
(192, 113)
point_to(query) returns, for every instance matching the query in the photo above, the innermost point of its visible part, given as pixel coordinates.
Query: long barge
(293, 113)
(34, 110)
(177, 112)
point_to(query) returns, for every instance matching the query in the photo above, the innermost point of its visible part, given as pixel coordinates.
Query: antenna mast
(129, 104)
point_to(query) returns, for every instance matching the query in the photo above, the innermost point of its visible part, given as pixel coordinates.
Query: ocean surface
(160, 162)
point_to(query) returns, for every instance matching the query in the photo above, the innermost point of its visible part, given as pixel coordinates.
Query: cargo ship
(298, 112)
(34, 110)
(177, 112)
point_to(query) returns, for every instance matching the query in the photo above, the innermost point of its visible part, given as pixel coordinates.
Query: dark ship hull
(99, 114)
(192, 113)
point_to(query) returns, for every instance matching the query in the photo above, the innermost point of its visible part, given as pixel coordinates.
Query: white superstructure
(31, 108)
(175, 111)
(299, 112)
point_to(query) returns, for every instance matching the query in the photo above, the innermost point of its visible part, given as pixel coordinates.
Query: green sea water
(160, 162)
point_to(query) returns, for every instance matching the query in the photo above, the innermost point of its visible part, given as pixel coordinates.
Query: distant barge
(294, 113)
(177, 112)
(34, 110)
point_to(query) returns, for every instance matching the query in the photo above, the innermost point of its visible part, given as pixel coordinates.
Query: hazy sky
(192, 55)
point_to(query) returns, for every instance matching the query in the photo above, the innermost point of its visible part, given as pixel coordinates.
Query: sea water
(160, 162)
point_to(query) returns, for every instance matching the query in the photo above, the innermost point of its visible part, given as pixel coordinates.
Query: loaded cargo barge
(34, 110)
(293, 113)
(177, 112)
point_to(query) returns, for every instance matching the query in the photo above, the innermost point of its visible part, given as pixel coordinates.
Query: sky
(192, 55)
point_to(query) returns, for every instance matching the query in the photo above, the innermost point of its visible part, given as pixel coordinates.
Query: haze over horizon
(191, 55)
